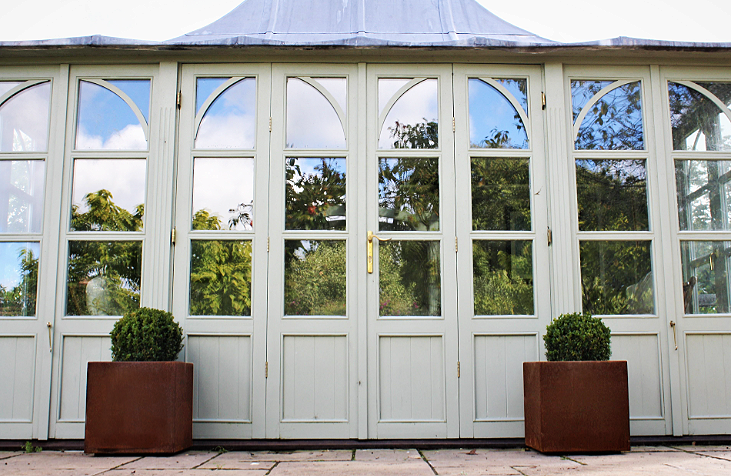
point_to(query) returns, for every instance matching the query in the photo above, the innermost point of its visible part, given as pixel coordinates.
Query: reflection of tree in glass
(422, 135)
(500, 194)
(408, 194)
(612, 195)
(614, 122)
(315, 278)
(704, 189)
(21, 299)
(616, 277)
(104, 277)
(409, 278)
(696, 120)
(708, 262)
(243, 214)
(315, 201)
(503, 277)
(220, 273)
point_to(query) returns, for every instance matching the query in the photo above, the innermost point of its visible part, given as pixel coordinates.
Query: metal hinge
(173, 234)
(454, 125)
(458, 370)
(267, 244)
(179, 100)
(549, 236)
(456, 244)
(270, 124)
(266, 369)
(543, 100)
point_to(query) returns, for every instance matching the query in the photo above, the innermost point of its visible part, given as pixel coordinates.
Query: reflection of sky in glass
(387, 87)
(582, 91)
(204, 87)
(124, 178)
(518, 88)
(614, 122)
(698, 124)
(230, 121)
(106, 122)
(10, 261)
(24, 120)
(138, 90)
(417, 105)
(312, 122)
(494, 122)
(338, 88)
(221, 185)
(6, 86)
(21, 196)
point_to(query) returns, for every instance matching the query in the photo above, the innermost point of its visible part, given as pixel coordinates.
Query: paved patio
(642, 460)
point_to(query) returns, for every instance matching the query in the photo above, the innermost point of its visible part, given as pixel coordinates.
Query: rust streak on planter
(139, 407)
(576, 407)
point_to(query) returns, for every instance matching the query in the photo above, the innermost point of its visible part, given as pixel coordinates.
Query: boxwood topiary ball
(577, 337)
(146, 335)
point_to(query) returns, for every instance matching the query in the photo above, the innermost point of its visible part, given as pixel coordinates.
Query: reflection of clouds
(312, 122)
(413, 107)
(132, 137)
(489, 113)
(387, 87)
(24, 120)
(6, 86)
(230, 120)
(338, 88)
(222, 184)
(124, 178)
(10, 272)
(21, 184)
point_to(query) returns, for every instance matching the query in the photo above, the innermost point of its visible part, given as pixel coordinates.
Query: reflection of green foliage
(21, 299)
(500, 194)
(693, 113)
(616, 277)
(409, 278)
(503, 277)
(220, 274)
(708, 261)
(408, 193)
(422, 135)
(612, 195)
(572, 337)
(312, 198)
(104, 277)
(315, 278)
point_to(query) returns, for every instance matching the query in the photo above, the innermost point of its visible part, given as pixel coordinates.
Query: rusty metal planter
(139, 407)
(576, 407)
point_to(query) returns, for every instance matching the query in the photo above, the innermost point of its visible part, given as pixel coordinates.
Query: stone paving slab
(236, 460)
(50, 461)
(182, 472)
(658, 463)
(185, 460)
(348, 468)
(387, 455)
(324, 455)
(703, 449)
(496, 462)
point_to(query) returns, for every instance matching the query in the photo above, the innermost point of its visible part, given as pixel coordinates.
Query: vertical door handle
(50, 336)
(675, 337)
(371, 236)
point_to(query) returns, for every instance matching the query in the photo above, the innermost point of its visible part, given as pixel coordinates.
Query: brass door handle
(371, 236)
(50, 336)
(675, 337)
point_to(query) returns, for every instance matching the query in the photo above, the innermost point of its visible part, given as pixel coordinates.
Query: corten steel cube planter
(139, 407)
(576, 407)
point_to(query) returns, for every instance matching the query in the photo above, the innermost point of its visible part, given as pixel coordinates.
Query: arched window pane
(698, 124)
(230, 121)
(413, 121)
(24, 120)
(312, 121)
(494, 121)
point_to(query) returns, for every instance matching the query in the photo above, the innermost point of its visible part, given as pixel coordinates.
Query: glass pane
(616, 277)
(103, 277)
(704, 194)
(503, 277)
(501, 194)
(705, 276)
(6, 86)
(204, 87)
(138, 91)
(230, 120)
(19, 278)
(315, 196)
(220, 278)
(338, 89)
(582, 92)
(108, 195)
(223, 194)
(24, 120)
(494, 121)
(614, 122)
(409, 278)
(312, 122)
(408, 194)
(314, 277)
(387, 87)
(698, 124)
(612, 195)
(106, 122)
(21, 196)
(413, 121)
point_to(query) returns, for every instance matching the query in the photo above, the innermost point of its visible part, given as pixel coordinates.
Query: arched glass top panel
(495, 123)
(610, 114)
(314, 120)
(413, 119)
(24, 118)
(6, 86)
(229, 120)
(109, 118)
(698, 121)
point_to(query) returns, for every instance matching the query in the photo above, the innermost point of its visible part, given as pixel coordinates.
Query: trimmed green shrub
(577, 337)
(146, 335)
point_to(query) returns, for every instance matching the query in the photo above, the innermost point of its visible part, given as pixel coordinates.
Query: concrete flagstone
(497, 462)
(387, 455)
(9, 454)
(703, 449)
(48, 461)
(236, 460)
(652, 463)
(184, 472)
(348, 468)
(323, 455)
(186, 460)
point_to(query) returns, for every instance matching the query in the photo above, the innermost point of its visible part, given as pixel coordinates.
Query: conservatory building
(364, 218)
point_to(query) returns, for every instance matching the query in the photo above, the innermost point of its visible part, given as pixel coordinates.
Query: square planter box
(139, 407)
(576, 407)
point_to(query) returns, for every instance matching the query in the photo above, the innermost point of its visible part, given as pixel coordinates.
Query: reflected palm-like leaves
(18, 278)
(612, 195)
(315, 194)
(500, 194)
(703, 192)
(315, 278)
(706, 287)
(24, 120)
(224, 187)
(408, 194)
(698, 123)
(409, 278)
(614, 122)
(503, 277)
(21, 196)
